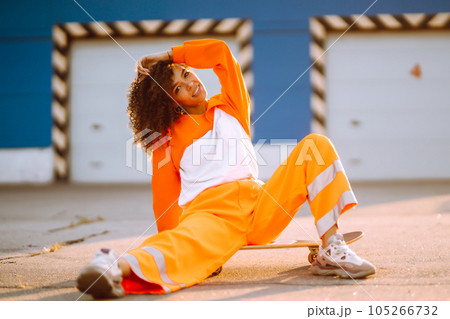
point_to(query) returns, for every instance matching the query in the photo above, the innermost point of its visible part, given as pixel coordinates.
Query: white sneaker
(338, 259)
(102, 277)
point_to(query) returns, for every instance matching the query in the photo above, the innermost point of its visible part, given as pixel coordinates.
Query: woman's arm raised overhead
(215, 54)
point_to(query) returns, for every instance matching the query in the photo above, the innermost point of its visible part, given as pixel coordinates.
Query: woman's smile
(188, 90)
(197, 90)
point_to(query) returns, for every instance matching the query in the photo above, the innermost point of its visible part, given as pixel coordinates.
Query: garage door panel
(398, 69)
(96, 99)
(421, 125)
(100, 132)
(387, 121)
(102, 61)
(388, 95)
(381, 160)
(101, 161)
(391, 53)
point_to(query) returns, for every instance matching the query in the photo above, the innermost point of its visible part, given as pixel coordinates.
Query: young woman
(207, 199)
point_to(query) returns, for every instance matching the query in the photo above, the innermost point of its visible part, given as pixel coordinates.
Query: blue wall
(281, 42)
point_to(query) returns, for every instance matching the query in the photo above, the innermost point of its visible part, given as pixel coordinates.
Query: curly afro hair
(150, 109)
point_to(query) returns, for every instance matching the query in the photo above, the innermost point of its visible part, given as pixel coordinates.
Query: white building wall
(26, 165)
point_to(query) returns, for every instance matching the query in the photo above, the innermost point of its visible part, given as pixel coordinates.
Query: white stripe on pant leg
(161, 263)
(323, 179)
(331, 218)
(134, 264)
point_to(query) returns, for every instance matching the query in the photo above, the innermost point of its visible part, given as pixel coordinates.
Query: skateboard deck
(311, 244)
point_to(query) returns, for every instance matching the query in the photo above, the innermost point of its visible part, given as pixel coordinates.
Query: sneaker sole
(91, 281)
(341, 273)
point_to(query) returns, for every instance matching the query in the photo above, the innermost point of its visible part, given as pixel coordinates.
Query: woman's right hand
(145, 63)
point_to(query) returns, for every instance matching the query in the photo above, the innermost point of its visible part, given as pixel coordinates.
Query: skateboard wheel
(313, 254)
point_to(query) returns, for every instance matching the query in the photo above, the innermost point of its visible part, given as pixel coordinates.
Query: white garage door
(100, 75)
(388, 101)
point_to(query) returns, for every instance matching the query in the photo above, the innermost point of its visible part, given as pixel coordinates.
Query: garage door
(388, 104)
(100, 75)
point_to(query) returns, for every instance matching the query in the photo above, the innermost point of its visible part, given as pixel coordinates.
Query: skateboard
(311, 244)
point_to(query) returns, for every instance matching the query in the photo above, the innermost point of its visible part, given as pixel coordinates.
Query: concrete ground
(48, 233)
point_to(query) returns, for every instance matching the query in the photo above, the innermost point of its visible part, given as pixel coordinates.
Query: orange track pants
(222, 219)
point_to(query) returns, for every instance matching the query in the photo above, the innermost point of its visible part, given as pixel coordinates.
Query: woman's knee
(317, 138)
(314, 147)
(318, 141)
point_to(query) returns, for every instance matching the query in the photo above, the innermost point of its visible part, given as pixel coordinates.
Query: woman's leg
(124, 267)
(330, 232)
(211, 230)
(312, 172)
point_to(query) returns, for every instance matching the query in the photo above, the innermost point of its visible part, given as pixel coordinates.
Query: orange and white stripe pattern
(325, 178)
(166, 284)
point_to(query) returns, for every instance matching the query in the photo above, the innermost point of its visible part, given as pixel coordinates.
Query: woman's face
(187, 89)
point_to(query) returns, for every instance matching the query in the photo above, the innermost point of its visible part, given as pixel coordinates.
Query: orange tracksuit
(207, 199)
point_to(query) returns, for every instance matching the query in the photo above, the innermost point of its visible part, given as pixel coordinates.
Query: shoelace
(341, 248)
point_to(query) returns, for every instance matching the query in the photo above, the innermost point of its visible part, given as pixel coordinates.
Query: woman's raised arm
(215, 54)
